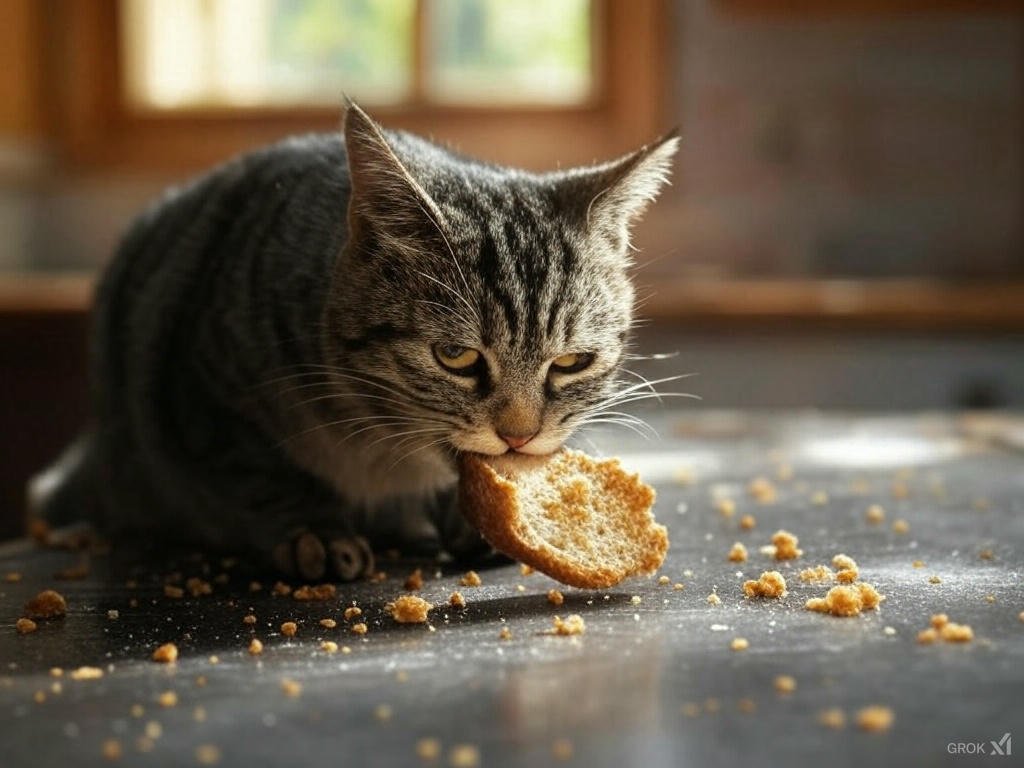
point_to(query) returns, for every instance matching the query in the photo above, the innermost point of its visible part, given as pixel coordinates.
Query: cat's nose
(517, 441)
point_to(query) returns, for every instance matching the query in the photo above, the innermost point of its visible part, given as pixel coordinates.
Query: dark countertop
(651, 682)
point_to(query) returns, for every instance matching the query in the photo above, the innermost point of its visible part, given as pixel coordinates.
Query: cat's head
(483, 307)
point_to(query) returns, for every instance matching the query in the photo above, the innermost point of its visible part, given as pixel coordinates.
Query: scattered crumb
(329, 646)
(1020, 616)
(739, 644)
(817, 573)
(573, 625)
(289, 628)
(280, 589)
(939, 620)
(471, 579)
(352, 611)
(833, 718)
(428, 749)
(684, 476)
(785, 683)
(846, 600)
(207, 754)
(173, 592)
(819, 498)
(555, 597)
(410, 609)
(328, 623)
(46, 605)
(846, 567)
(291, 688)
(562, 749)
(457, 600)
(166, 653)
(197, 587)
(12, 577)
(201, 681)
(111, 749)
(738, 553)
(957, 633)
(714, 599)
(869, 596)
(113, 614)
(520, 588)
(505, 633)
(986, 554)
(725, 507)
(927, 636)
(875, 514)
(890, 631)
(464, 756)
(249, 619)
(747, 522)
(360, 628)
(934, 580)
(762, 489)
(690, 709)
(900, 526)
(86, 673)
(770, 584)
(918, 564)
(875, 718)
(636, 600)
(167, 699)
(25, 626)
(318, 592)
(785, 544)
(255, 647)
(678, 587)
(378, 576)
(414, 581)
(383, 712)
(525, 570)
(746, 706)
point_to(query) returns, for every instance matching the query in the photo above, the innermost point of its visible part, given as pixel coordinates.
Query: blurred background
(843, 230)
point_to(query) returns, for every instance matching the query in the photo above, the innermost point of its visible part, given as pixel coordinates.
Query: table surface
(652, 681)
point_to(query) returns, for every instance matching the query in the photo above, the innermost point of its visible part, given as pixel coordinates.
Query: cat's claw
(311, 557)
(351, 557)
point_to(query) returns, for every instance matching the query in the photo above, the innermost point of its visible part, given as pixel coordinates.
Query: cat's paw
(312, 556)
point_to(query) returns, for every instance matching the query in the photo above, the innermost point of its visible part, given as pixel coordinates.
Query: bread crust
(489, 498)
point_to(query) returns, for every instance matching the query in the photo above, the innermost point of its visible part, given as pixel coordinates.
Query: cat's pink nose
(517, 441)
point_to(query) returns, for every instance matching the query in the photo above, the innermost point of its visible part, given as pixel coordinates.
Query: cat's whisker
(640, 423)
(454, 293)
(656, 356)
(455, 261)
(457, 315)
(405, 456)
(339, 422)
(406, 433)
(618, 422)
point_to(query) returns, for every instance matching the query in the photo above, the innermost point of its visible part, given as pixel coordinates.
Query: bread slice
(583, 521)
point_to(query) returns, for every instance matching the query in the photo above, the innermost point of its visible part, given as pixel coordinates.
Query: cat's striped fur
(264, 338)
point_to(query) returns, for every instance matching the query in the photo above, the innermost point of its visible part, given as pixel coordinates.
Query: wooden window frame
(95, 128)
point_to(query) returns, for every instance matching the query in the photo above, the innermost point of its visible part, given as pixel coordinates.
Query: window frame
(97, 128)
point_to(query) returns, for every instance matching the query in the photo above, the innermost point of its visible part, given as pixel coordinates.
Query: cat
(290, 352)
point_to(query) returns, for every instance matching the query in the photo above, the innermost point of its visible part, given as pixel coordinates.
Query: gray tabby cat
(273, 376)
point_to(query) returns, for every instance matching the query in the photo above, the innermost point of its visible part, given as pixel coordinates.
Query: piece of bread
(583, 521)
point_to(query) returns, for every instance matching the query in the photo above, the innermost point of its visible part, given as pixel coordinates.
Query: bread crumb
(726, 507)
(900, 526)
(471, 579)
(56, 672)
(819, 498)
(555, 597)
(112, 749)
(113, 614)
(684, 476)
(817, 573)
(874, 514)
(785, 683)
(12, 577)
(739, 644)
(289, 628)
(927, 636)
(833, 718)
(318, 592)
(456, 600)
(383, 712)
(154, 730)
(291, 688)
(198, 587)
(346, 649)
(1020, 616)
(678, 587)
(771, 584)
(280, 589)
(86, 673)
(428, 749)
(934, 580)
(173, 592)
(562, 749)
(900, 490)
(525, 570)
(986, 554)
(714, 599)
(329, 646)
(573, 625)
(746, 706)
(201, 681)
(48, 604)
(664, 580)
(738, 553)
(990, 598)
(410, 609)
(875, 718)
(39, 697)
(255, 647)
(360, 628)
(761, 489)
(520, 588)
(846, 600)
(166, 653)
(464, 756)
(328, 623)
(785, 544)
(25, 626)
(747, 522)
(414, 581)
(939, 620)
(636, 600)
(505, 633)
(917, 564)
(690, 709)
(956, 633)
(208, 754)
(846, 567)
(167, 699)
(352, 611)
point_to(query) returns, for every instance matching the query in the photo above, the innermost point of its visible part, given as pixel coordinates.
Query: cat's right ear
(385, 197)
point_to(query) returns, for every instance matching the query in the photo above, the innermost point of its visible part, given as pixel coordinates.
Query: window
(179, 84)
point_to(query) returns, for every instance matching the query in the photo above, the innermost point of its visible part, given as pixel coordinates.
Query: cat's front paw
(314, 556)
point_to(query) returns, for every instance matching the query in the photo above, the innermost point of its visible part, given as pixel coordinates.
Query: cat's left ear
(616, 193)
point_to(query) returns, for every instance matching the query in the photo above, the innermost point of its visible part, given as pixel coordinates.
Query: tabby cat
(290, 351)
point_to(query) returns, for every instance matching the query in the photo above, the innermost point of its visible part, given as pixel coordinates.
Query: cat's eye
(458, 360)
(572, 363)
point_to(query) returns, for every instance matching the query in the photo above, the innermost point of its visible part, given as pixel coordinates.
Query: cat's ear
(616, 193)
(385, 198)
